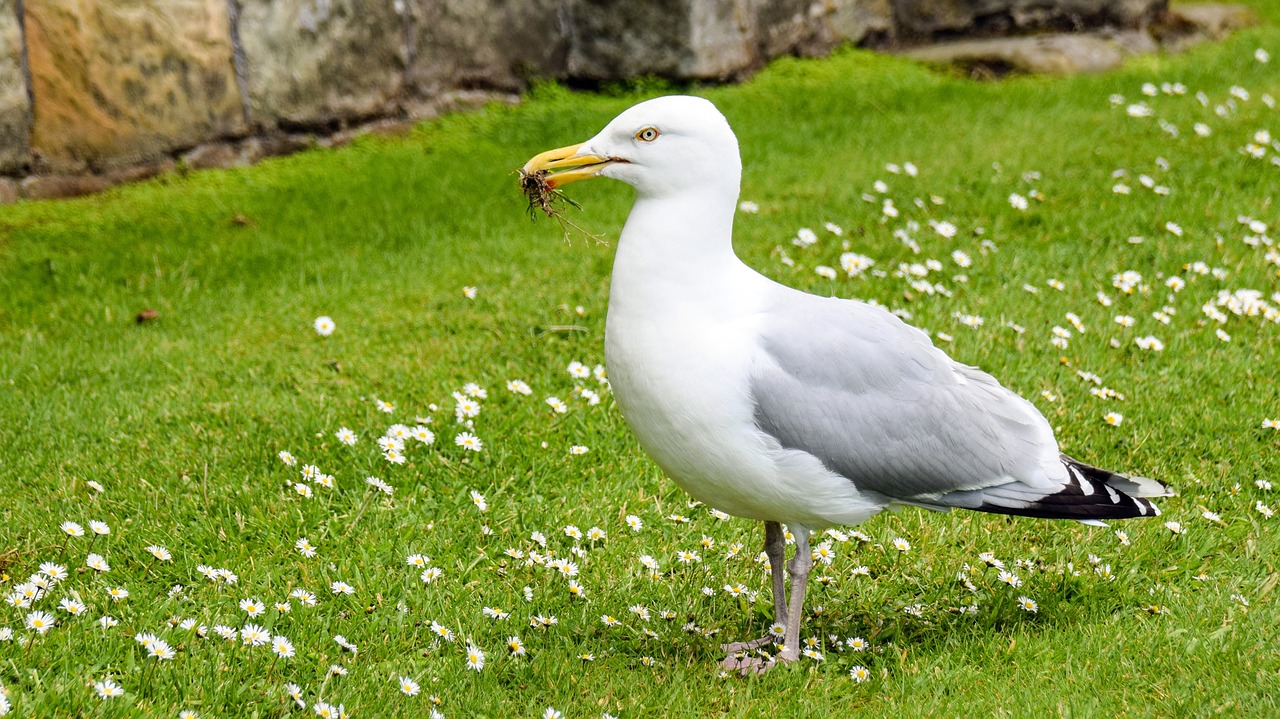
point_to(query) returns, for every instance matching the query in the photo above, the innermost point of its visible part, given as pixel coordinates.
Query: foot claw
(746, 665)
(737, 647)
(750, 657)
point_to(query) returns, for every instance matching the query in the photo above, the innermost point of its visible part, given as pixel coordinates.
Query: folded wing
(878, 404)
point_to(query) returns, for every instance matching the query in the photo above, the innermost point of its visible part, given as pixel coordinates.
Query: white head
(669, 145)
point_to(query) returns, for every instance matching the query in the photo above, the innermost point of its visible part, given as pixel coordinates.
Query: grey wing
(877, 403)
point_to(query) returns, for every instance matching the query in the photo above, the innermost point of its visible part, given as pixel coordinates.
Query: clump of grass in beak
(541, 177)
(542, 196)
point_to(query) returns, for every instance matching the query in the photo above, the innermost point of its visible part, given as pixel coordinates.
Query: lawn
(1103, 245)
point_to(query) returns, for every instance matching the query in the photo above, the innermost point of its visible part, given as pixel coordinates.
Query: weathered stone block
(1054, 54)
(722, 40)
(256, 149)
(118, 82)
(813, 27)
(8, 191)
(1216, 20)
(785, 27)
(322, 63)
(1187, 25)
(671, 38)
(138, 173)
(485, 44)
(52, 187)
(213, 154)
(922, 19)
(710, 39)
(860, 21)
(15, 105)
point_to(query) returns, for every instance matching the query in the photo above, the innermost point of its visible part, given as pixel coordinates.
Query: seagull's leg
(800, 565)
(776, 549)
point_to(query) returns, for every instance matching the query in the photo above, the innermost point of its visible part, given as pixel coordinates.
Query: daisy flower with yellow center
(475, 658)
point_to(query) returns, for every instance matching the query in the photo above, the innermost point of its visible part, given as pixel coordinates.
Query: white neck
(674, 249)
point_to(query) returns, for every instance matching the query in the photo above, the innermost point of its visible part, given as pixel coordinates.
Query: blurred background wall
(94, 92)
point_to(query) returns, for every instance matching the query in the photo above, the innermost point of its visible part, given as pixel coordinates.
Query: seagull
(790, 408)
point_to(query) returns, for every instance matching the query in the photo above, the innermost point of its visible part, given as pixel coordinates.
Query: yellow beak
(564, 165)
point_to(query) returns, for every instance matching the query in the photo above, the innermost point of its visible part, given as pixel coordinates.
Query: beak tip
(559, 167)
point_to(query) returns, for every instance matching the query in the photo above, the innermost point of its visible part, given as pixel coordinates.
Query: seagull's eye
(648, 134)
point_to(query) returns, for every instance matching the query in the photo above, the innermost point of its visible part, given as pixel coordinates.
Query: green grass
(180, 419)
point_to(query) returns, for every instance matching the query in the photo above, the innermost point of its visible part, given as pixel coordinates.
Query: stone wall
(96, 91)
(15, 100)
(929, 19)
(122, 83)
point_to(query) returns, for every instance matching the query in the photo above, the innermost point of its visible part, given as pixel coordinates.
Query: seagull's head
(663, 146)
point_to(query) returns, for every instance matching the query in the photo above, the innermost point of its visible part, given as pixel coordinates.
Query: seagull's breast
(679, 363)
(680, 382)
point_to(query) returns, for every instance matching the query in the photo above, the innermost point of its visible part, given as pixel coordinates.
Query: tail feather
(1089, 494)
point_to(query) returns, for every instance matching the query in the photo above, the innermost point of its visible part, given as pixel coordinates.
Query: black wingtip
(1090, 493)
